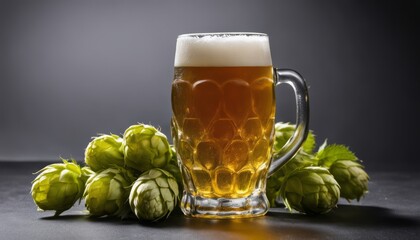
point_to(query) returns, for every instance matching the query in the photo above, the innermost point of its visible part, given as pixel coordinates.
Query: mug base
(222, 208)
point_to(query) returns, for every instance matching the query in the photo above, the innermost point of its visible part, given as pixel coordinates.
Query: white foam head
(222, 49)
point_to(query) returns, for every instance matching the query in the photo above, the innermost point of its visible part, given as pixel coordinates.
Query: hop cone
(274, 182)
(145, 148)
(154, 195)
(104, 152)
(310, 190)
(107, 192)
(273, 189)
(352, 178)
(284, 131)
(58, 186)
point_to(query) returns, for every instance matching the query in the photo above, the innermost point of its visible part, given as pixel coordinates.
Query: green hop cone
(58, 186)
(346, 168)
(107, 192)
(284, 131)
(104, 152)
(352, 178)
(272, 189)
(154, 195)
(274, 182)
(311, 190)
(145, 148)
(300, 160)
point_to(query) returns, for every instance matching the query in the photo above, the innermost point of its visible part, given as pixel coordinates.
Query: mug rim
(222, 34)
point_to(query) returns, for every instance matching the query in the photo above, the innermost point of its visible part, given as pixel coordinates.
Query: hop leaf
(352, 178)
(284, 131)
(145, 148)
(107, 193)
(311, 190)
(328, 154)
(58, 186)
(104, 152)
(154, 195)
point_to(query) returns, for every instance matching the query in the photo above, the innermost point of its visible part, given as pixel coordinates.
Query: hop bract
(154, 195)
(107, 192)
(145, 148)
(86, 173)
(311, 190)
(274, 182)
(273, 189)
(302, 159)
(352, 178)
(58, 186)
(104, 152)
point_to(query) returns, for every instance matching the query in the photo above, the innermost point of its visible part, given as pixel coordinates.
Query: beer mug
(223, 104)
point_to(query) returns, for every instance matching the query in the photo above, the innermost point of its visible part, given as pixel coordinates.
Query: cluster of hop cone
(313, 181)
(138, 173)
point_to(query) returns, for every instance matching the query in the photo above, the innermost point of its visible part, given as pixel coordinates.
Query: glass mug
(223, 104)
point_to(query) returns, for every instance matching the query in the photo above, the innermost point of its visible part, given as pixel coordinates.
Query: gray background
(72, 69)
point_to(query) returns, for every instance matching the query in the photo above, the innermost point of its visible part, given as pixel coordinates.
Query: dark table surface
(390, 211)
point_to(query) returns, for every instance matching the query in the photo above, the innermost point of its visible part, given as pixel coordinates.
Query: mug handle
(296, 81)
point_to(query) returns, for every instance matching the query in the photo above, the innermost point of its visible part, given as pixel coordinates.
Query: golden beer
(223, 107)
(223, 123)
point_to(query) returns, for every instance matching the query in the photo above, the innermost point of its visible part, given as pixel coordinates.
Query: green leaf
(309, 144)
(328, 154)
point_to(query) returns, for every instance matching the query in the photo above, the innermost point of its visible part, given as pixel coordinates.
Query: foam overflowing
(222, 50)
